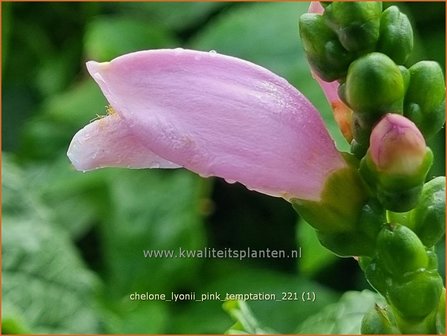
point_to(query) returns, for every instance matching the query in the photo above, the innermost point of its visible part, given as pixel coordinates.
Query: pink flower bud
(397, 146)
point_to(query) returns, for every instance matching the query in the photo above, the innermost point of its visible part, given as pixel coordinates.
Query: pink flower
(397, 146)
(212, 114)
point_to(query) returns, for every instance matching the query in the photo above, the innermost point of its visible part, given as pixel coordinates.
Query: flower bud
(374, 85)
(425, 97)
(428, 218)
(324, 52)
(396, 163)
(356, 23)
(400, 251)
(396, 35)
(379, 321)
(417, 294)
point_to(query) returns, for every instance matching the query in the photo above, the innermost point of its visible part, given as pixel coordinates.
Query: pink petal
(107, 142)
(221, 116)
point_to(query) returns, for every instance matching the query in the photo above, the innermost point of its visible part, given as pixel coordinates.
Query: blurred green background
(72, 242)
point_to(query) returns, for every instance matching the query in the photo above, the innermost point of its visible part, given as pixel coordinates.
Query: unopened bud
(397, 163)
(428, 218)
(397, 146)
(417, 294)
(374, 85)
(324, 52)
(356, 23)
(400, 251)
(425, 97)
(396, 35)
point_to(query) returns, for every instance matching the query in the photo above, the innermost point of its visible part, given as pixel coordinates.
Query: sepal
(397, 192)
(340, 203)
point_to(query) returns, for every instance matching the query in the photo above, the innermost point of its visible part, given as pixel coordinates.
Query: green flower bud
(417, 295)
(379, 321)
(375, 86)
(425, 97)
(324, 52)
(428, 218)
(400, 251)
(396, 35)
(356, 23)
(397, 163)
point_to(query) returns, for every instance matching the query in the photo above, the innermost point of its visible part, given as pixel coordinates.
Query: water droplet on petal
(213, 52)
(230, 181)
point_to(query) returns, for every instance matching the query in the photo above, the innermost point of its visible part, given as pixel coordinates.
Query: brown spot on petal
(343, 118)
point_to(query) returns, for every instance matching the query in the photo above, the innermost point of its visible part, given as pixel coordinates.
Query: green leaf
(130, 317)
(62, 115)
(267, 34)
(246, 323)
(6, 31)
(343, 317)
(151, 210)
(77, 106)
(44, 280)
(315, 257)
(226, 277)
(173, 16)
(108, 37)
(67, 192)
